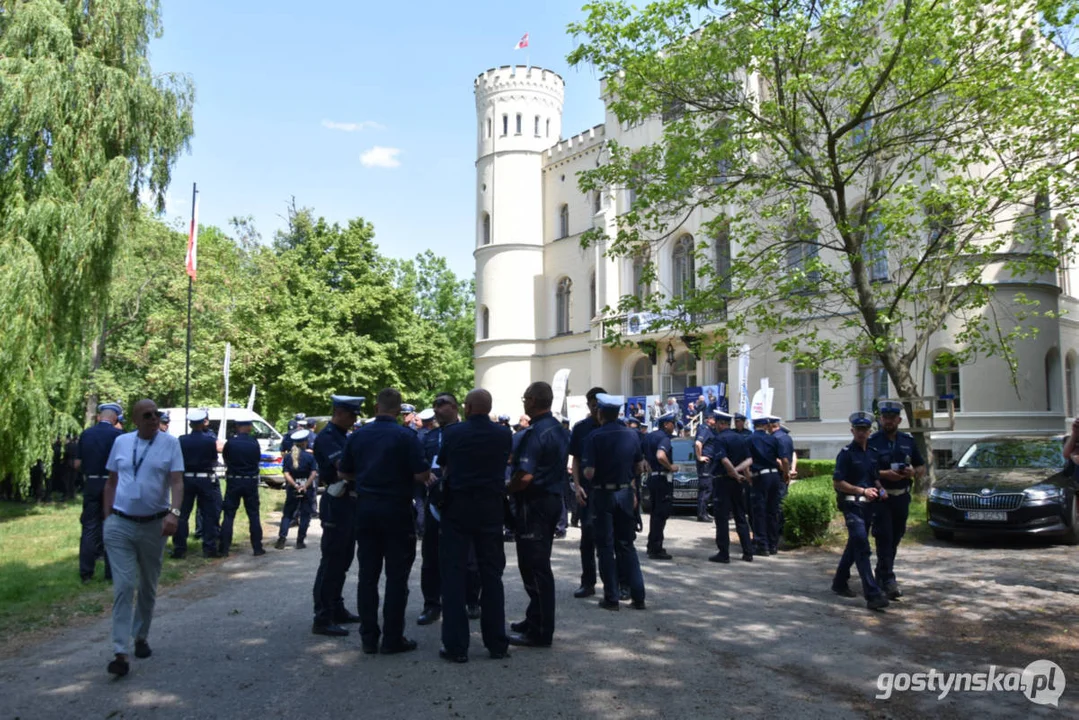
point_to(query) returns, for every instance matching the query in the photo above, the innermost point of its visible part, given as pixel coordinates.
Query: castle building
(540, 296)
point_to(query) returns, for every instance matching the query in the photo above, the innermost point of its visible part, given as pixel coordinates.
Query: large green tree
(85, 127)
(878, 165)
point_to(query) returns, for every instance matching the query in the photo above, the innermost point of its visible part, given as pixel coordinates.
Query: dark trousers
(588, 540)
(859, 520)
(208, 493)
(420, 502)
(563, 517)
(92, 544)
(783, 488)
(704, 493)
(889, 526)
(728, 498)
(662, 498)
(385, 537)
(338, 518)
(247, 491)
(537, 517)
(295, 503)
(431, 571)
(766, 510)
(616, 526)
(471, 527)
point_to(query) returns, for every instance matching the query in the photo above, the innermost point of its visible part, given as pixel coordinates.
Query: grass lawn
(40, 586)
(917, 525)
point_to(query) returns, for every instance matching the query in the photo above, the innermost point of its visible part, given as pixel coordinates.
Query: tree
(879, 165)
(85, 126)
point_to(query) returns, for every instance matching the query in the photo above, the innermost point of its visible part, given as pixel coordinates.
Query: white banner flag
(560, 386)
(743, 381)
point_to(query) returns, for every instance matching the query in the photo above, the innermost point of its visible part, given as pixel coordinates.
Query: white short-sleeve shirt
(142, 468)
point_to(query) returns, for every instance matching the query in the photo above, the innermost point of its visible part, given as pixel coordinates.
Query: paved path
(766, 639)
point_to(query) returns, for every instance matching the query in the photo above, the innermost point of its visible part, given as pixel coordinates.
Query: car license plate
(685, 494)
(990, 515)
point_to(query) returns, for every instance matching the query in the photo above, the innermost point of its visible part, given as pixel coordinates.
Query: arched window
(640, 290)
(683, 372)
(1069, 384)
(485, 323)
(563, 221)
(518, 123)
(1053, 391)
(683, 267)
(641, 382)
(593, 301)
(486, 229)
(872, 385)
(562, 306)
(946, 381)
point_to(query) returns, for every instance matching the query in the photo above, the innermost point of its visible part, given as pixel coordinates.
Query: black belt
(198, 475)
(609, 487)
(140, 519)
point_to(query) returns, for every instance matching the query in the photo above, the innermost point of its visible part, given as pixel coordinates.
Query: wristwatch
(175, 511)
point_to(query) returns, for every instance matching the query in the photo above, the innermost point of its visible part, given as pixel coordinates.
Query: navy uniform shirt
(581, 430)
(613, 452)
(328, 451)
(242, 454)
(732, 445)
(786, 444)
(200, 451)
(856, 466)
(384, 457)
(95, 444)
(302, 468)
(655, 441)
(705, 436)
(432, 444)
(542, 452)
(765, 451)
(475, 453)
(901, 450)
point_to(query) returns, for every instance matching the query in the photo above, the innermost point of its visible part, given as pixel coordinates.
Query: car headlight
(939, 495)
(1042, 493)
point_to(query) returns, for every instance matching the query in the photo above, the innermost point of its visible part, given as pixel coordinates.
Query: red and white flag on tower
(193, 238)
(522, 43)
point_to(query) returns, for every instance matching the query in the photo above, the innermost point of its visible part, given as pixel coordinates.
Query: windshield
(1029, 453)
(683, 451)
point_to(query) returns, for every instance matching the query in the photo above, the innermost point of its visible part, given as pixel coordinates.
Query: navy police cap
(861, 419)
(163, 416)
(739, 416)
(761, 420)
(348, 402)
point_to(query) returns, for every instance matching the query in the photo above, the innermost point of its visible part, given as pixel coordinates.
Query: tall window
(548, 127)
(486, 229)
(1069, 384)
(537, 126)
(562, 304)
(946, 381)
(642, 377)
(563, 221)
(488, 127)
(518, 131)
(872, 385)
(505, 124)
(806, 394)
(639, 289)
(597, 202)
(683, 372)
(1053, 391)
(802, 251)
(683, 267)
(485, 323)
(592, 300)
(723, 257)
(631, 197)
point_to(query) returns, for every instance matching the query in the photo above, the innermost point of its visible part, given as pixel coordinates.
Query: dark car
(1007, 485)
(685, 480)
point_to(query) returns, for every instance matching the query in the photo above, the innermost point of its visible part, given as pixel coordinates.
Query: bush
(808, 510)
(812, 468)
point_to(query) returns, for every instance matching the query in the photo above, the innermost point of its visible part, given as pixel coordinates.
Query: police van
(268, 438)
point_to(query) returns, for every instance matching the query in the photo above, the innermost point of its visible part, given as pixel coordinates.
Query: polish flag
(193, 241)
(523, 43)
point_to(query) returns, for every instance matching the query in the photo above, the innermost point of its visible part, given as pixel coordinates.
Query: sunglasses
(150, 414)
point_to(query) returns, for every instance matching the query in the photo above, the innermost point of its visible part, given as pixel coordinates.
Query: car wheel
(1072, 536)
(943, 534)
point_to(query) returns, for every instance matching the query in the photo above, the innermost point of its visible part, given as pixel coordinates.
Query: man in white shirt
(145, 468)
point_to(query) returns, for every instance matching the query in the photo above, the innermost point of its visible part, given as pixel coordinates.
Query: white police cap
(349, 402)
(114, 407)
(242, 417)
(861, 419)
(197, 416)
(721, 415)
(427, 415)
(890, 406)
(300, 435)
(609, 402)
(667, 417)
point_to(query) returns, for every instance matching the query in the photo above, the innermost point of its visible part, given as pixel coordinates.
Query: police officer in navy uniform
(702, 443)
(900, 462)
(300, 470)
(337, 514)
(473, 459)
(582, 489)
(731, 463)
(657, 451)
(786, 459)
(740, 425)
(766, 473)
(163, 421)
(858, 490)
(612, 461)
(537, 477)
(199, 448)
(94, 446)
(385, 460)
(242, 454)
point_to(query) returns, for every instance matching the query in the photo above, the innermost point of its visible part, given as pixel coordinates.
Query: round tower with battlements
(519, 117)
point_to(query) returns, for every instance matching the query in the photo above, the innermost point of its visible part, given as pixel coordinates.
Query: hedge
(813, 468)
(808, 509)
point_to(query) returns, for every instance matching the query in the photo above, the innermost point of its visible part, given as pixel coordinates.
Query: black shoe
(446, 655)
(177, 554)
(773, 551)
(520, 627)
(892, 591)
(473, 612)
(223, 553)
(877, 602)
(330, 630)
(429, 616)
(370, 648)
(499, 654)
(211, 555)
(623, 594)
(118, 667)
(584, 591)
(575, 523)
(404, 646)
(660, 555)
(638, 605)
(300, 544)
(720, 558)
(609, 604)
(558, 535)
(280, 544)
(344, 617)
(748, 557)
(87, 579)
(762, 551)
(843, 591)
(526, 640)
(142, 649)
(259, 551)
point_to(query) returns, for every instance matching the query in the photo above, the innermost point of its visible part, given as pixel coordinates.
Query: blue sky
(291, 95)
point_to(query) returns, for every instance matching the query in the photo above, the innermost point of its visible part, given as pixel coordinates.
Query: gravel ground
(766, 639)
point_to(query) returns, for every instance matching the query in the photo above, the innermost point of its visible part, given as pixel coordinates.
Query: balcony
(655, 324)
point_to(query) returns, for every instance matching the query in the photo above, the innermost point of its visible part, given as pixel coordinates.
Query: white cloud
(378, 156)
(353, 126)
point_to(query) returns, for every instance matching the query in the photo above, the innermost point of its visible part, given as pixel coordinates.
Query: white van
(269, 439)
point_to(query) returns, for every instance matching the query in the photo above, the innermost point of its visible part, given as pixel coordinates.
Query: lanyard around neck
(135, 454)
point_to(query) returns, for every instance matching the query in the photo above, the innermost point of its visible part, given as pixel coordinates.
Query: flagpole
(190, 292)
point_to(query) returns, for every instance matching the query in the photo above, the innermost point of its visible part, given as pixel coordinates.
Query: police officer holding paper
(95, 444)
(537, 476)
(337, 515)
(612, 461)
(473, 458)
(730, 474)
(242, 454)
(658, 453)
(385, 461)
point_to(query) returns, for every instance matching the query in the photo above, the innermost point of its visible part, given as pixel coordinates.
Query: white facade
(539, 295)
